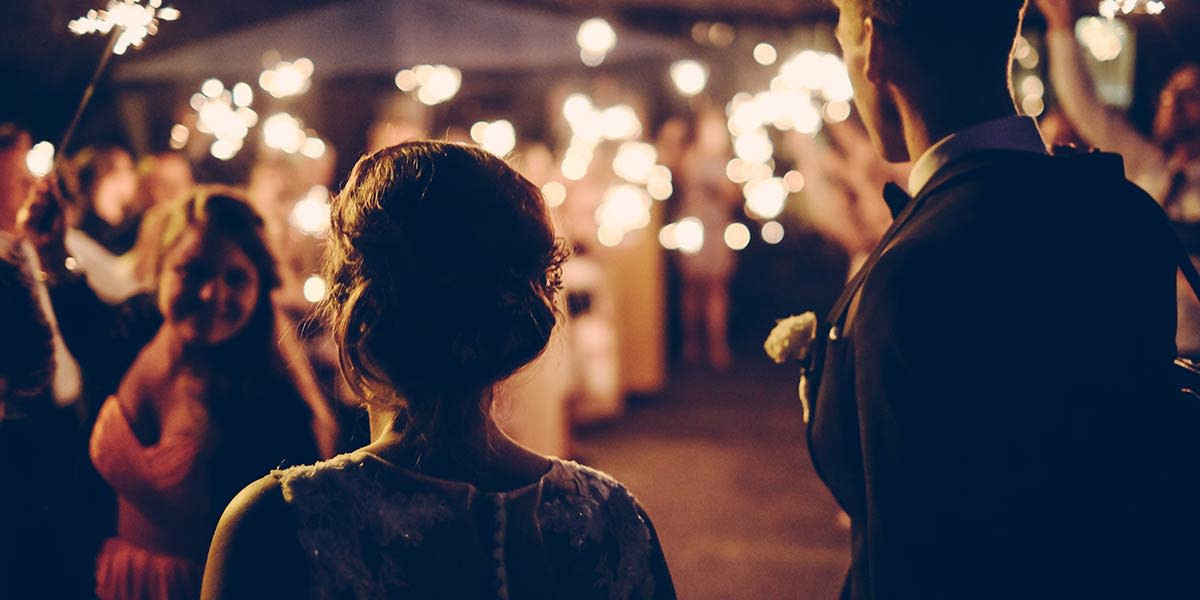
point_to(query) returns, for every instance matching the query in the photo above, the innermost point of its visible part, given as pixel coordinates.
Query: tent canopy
(365, 37)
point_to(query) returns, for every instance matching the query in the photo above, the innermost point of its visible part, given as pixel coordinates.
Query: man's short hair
(952, 36)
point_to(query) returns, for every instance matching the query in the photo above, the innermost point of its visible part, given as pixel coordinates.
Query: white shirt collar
(1006, 133)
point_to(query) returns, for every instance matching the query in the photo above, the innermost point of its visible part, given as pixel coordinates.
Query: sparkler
(127, 23)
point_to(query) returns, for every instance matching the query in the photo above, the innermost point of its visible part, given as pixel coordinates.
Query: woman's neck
(483, 455)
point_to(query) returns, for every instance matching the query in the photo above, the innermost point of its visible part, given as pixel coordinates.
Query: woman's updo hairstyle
(443, 267)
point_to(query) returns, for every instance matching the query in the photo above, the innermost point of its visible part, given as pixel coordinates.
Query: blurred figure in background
(843, 179)
(165, 176)
(46, 546)
(708, 195)
(106, 221)
(108, 186)
(207, 404)
(1166, 164)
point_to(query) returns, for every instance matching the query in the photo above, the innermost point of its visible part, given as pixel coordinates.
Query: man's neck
(927, 123)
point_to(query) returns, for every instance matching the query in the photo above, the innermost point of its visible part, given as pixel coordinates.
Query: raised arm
(1097, 123)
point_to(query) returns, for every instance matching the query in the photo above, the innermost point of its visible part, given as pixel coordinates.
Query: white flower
(791, 338)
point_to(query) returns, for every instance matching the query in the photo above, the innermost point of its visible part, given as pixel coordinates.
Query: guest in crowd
(842, 181)
(108, 186)
(427, 324)
(1165, 163)
(708, 195)
(163, 177)
(48, 538)
(205, 403)
(106, 220)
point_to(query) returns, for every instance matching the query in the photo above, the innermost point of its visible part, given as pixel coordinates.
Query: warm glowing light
(287, 78)
(225, 149)
(794, 180)
(666, 237)
(1110, 8)
(217, 116)
(438, 83)
(690, 76)
(1104, 38)
(689, 235)
(620, 122)
(765, 54)
(314, 289)
(772, 232)
(314, 148)
(610, 237)
(133, 22)
(555, 194)
(737, 171)
(283, 132)
(754, 146)
(179, 136)
(765, 199)
(498, 137)
(40, 159)
(212, 88)
(837, 111)
(577, 107)
(1033, 106)
(1033, 86)
(624, 208)
(737, 236)
(406, 80)
(635, 161)
(659, 183)
(243, 94)
(311, 214)
(596, 39)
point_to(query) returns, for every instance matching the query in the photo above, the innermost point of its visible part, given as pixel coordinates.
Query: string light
(1110, 8)
(311, 213)
(690, 76)
(287, 79)
(498, 137)
(40, 159)
(772, 232)
(737, 236)
(314, 289)
(596, 39)
(765, 54)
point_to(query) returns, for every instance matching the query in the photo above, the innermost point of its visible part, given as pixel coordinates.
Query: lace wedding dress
(371, 529)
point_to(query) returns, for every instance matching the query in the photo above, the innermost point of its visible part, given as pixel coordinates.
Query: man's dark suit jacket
(993, 412)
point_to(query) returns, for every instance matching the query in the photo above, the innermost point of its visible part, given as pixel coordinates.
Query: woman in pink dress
(207, 406)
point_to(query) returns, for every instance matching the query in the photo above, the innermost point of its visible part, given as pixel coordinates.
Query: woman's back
(367, 528)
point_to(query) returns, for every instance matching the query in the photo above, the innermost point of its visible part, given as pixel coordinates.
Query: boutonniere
(792, 339)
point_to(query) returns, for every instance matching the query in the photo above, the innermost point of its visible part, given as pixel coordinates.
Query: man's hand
(1060, 14)
(45, 224)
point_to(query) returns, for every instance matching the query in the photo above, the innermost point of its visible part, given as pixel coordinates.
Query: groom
(990, 393)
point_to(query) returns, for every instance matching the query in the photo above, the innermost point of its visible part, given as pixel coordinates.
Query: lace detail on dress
(600, 518)
(343, 512)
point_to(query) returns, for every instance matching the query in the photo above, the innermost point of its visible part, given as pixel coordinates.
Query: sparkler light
(129, 22)
(133, 22)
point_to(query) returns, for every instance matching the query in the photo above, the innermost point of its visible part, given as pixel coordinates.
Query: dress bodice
(161, 488)
(371, 529)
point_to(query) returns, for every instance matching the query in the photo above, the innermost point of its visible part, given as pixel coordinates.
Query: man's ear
(873, 59)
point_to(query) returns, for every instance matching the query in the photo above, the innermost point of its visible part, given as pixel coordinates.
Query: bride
(443, 268)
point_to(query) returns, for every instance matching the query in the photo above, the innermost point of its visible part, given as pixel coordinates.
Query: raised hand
(44, 222)
(1060, 14)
